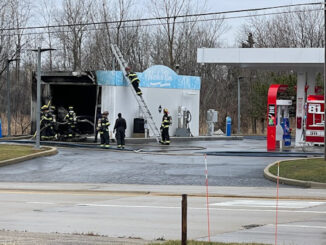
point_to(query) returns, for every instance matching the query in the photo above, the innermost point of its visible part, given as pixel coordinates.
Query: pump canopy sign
(271, 115)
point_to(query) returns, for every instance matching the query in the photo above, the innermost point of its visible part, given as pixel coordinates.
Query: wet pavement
(180, 166)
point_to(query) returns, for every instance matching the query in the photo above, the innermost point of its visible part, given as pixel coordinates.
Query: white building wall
(117, 99)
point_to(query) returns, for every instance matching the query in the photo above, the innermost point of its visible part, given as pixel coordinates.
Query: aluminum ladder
(140, 100)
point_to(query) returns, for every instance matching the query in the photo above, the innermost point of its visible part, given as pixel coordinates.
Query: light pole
(8, 96)
(239, 114)
(38, 93)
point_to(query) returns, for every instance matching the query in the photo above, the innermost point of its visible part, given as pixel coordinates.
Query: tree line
(82, 31)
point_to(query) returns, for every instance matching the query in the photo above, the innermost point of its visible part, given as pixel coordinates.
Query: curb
(294, 182)
(21, 137)
(180, 139)
(51, 151)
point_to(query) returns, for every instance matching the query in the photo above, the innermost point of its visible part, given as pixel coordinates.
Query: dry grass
(303, 169)
(20, 124)
(203, 243)
(13, 151)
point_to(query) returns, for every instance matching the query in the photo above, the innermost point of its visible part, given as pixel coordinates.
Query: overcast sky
(229, 38)
(226, 5)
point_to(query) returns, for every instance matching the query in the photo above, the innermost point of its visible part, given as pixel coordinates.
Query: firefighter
(103, 128)
(120, 127)
(166, 122)
(47, 131)
(44, 109)
(54, 121)
(134, 80)
(71, 119)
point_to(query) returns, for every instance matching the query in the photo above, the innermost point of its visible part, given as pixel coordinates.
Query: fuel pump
(283, 122)
(184, 118)
(315, 119)
(278, 127)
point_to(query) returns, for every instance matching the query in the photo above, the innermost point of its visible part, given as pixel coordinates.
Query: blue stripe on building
(158, 76)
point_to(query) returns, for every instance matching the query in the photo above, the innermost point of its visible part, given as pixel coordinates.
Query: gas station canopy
(264, 58)
(306, 62)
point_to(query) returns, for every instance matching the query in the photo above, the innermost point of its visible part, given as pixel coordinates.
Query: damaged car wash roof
(69, 78)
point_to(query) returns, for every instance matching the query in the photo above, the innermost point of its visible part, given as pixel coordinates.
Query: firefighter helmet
(71, 108)
(105, 113)
(165, 110)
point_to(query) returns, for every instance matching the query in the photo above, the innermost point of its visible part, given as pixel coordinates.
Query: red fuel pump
(273, 125)
(315, 120)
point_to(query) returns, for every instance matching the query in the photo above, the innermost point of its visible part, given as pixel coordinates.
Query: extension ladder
(140, 100)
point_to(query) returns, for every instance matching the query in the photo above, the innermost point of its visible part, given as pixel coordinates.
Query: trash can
(139, 125)
(0, 129)
(228, 126)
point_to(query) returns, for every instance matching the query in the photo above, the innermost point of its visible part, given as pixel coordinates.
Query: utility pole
(38, 96)
(8, 100)
(239, 111)
(38, 89)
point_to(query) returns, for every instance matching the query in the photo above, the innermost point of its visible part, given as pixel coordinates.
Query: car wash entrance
(63, 90)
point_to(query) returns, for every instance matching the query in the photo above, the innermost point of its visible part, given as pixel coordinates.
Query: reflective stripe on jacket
(47, 117)
(103, 124)
(133, 77)
(70, 117)
(166, 121)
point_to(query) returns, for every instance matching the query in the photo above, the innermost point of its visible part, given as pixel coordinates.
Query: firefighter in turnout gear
(103, 128)
(120, 127)
(54, 121)
(71, 119)
(134, 80)
(166, 122)
(47, 123)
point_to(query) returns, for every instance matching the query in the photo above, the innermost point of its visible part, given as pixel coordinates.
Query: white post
(239, 110)
(311, 82)
(301, 82)
(38, 99)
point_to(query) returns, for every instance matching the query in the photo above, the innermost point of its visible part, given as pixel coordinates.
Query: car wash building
(306, 62)
(109, 91)
(161, 87)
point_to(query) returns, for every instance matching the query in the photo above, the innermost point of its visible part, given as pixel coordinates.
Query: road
(138, 195)
(154, 215)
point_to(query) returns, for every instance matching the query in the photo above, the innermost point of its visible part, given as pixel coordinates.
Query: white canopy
(264, 58)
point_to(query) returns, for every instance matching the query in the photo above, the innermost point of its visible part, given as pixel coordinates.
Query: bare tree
(170, 9)
(47, 18)
(75, 15)
(302, 27)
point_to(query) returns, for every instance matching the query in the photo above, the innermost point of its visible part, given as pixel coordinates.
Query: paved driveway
(99, 166)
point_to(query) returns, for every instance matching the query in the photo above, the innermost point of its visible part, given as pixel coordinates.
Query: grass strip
(311, 169)
(12, 151)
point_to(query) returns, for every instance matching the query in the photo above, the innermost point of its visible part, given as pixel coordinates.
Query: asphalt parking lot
(176, 165)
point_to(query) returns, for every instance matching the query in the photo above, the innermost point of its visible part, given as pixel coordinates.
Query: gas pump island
(278, 123)
(278, 126)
